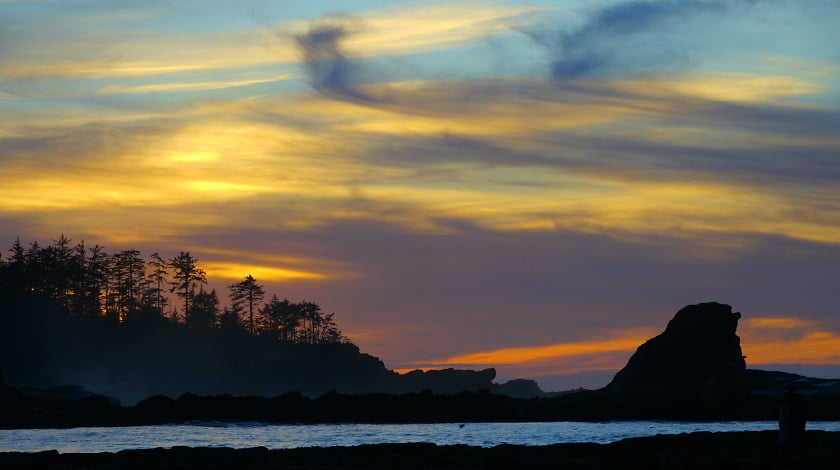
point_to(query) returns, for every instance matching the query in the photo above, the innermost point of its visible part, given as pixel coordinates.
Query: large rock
(446, 381)
(698, 353)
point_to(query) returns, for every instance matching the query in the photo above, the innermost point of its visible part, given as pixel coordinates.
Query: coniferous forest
(68, 280)
(130, 327)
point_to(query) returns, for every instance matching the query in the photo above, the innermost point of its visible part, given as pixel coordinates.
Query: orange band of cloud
(777, 340)
(528, 354)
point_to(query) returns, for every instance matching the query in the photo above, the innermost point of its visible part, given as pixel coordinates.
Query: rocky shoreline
(742, 450)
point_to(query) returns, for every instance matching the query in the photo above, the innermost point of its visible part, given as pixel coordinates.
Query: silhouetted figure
(791, 419)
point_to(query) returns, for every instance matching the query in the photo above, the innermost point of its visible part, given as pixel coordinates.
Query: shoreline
(744, 450)
(213, 422)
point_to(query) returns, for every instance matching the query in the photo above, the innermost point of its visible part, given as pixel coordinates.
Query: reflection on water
(275, 436)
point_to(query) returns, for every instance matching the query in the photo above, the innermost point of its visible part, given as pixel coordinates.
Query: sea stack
(697, 355)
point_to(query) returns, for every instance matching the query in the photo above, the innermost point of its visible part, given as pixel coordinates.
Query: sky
(535, 186)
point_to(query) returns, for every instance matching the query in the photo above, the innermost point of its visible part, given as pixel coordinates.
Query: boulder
(698, 353)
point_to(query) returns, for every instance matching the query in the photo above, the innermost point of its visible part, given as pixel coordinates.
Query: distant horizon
(528, 185)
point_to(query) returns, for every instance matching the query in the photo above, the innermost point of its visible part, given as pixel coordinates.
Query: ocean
(274, 436)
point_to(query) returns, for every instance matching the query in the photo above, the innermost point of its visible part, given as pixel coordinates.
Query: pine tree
(247, 294)
(186, 276)
(205, 310)
(128, 274)
(157, 277)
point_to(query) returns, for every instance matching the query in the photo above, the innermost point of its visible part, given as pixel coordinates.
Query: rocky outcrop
(446, 381)
(698, 353)
(518, 388)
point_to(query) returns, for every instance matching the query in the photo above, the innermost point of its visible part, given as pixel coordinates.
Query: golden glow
(788, 340)
(225, 187)
(776, 323)
(819, 347)
(225, 270)
(627, 342)
(333, 158)
(737, 87)
(216, 156)
(194, 158)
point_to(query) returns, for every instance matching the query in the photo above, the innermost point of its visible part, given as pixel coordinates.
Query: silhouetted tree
(186, 276)
(128, 272)
(58, 262)
(18, 257)
(16, 282)
(157, 277)
(64, 279)
(280, 318)
(248, 294)
(34, 269)
(96, 281)
(78, 280)
(229, 319)
(311, 316)
(328, 332)
(205, 310)
(302, 322)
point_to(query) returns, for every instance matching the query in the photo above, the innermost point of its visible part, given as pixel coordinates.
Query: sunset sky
(536, 186)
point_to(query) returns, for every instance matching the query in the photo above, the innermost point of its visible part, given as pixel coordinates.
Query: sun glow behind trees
(82, 281)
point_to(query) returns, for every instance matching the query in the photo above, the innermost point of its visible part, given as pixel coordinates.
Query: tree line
(123, 287)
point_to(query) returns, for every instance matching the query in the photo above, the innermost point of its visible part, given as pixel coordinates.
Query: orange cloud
(268, 273)
(789, 340)
(766, 340)
(624, 342)
(777, 323)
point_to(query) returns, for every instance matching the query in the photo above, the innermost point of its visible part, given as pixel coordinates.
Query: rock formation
(698, 352)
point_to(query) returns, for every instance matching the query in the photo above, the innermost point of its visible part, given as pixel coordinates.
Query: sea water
(274, 436)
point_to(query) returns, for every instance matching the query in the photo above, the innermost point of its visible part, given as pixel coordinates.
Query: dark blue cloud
(330, 70)
(630, 37)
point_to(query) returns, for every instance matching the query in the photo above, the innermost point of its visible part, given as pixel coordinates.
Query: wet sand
(742, 450)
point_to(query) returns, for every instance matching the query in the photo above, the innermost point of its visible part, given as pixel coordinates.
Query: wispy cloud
(107, 50)
(613, 157)
(628, 38)
(332, 47)
(189, 86)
